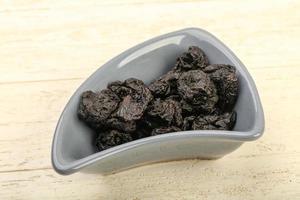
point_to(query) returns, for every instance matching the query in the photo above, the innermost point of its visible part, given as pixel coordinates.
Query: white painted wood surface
(47, 48)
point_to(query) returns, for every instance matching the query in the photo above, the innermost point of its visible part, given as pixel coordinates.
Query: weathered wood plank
(229, 178)
(39, 45)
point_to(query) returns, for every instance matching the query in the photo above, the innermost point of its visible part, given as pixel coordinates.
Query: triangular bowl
(73, 147)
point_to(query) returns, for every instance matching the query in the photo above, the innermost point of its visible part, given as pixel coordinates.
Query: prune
(167, 110)
(95, 108)
(118, 88)
(165, 85)
(226, 81)
(190, 109)
(175, 97)
(137, 86)
(112, 138)
(145, 127)
(196, 88)
(187, 122)
(215, 122)
(192, 96)
(226, 121)
(119, 124)
(187, 108)
(194, 58)
(133, 105)
(163, 130)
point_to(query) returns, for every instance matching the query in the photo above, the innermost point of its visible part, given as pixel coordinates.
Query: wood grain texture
(48, 48)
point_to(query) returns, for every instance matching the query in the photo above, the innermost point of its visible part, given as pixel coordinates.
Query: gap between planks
(26, 170)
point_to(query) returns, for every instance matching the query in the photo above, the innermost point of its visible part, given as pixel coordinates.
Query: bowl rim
(254, 133)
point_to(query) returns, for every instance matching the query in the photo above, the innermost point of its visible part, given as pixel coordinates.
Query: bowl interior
(147, 62)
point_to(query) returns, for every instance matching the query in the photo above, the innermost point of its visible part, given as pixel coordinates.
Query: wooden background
(47, 48)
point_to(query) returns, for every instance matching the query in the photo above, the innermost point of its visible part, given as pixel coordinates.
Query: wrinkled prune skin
(187, 122)
(95, 108)
(226, 81)
(135, 103)
(196, 88)
(190, 109)
(225, 121)
(163, 130)
(130, 109)
(119, 88)
(119, 124)
(187, 109)
(168, 111)
(194, 58)
(165, 85)
(112, 138)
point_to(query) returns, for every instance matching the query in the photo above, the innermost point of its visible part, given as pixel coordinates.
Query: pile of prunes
(194, 95)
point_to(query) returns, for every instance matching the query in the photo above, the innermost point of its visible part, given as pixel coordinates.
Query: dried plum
(145, 127)
(133, 105)
(112, 138)
(167, 110)
(226, 81)
(196, 88)
(118, 88)
(165, 85)
(215, 122)
(190, 109)
(95, 108)
(192, 96)
(194, 58)
(187, 122)
(119, 124)
(174, 97)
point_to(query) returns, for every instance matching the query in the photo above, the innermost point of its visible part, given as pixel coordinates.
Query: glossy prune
(95, 108)
(194, 58)
(112, 138)
(192, 96)
(226, 82)
(225, 121)
(196, 88)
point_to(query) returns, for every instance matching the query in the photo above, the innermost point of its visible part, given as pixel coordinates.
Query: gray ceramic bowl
(73, 148)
